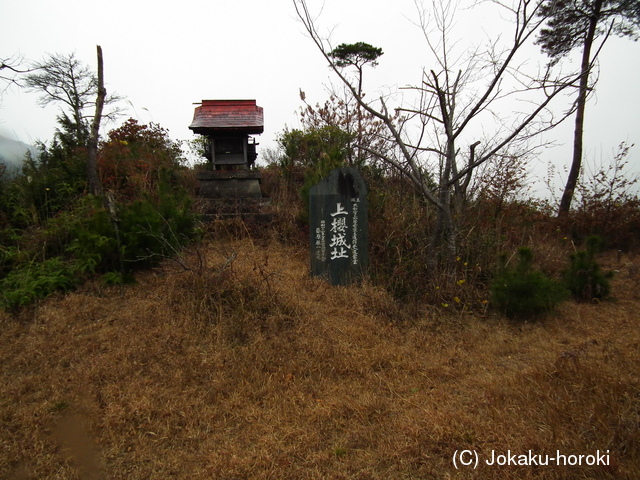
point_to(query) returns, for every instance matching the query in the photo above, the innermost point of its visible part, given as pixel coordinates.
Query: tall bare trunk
(95, 186)
(443, 232)
(578, 134)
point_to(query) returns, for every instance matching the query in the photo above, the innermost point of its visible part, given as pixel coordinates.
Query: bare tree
(10, 68)
(453, 104)
(64, 80)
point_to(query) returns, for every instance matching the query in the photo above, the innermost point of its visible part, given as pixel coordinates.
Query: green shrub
(8, 257)
(141, 234)
(117, 278)
(45, 186)
(30, 282)
(584, 278)
(89, 240)
(523, 292)
(319, 150)
(52, 235)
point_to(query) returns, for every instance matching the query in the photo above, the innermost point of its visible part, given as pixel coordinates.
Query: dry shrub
(490, 223)
(283, 186)
(236, 302)
(486, 228)
(607, 204)
(616, 222)
(398, 236)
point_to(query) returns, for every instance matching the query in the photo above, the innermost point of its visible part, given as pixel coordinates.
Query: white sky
(165, 55)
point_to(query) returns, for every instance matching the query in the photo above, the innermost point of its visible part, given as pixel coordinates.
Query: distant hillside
(12, 153)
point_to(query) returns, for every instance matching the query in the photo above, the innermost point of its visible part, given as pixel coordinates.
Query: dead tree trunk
(95, 185)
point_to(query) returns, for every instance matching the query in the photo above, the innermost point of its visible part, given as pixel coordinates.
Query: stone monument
(338, 225)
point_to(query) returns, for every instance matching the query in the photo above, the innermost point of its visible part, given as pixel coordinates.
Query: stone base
(257, 209)
(229, 184)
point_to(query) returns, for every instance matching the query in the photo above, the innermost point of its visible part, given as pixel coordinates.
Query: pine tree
(573, 24)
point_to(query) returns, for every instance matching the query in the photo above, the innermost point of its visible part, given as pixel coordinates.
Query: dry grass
(244, 367)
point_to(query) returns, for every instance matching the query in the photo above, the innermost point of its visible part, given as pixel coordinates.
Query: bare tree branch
(451, 114)
(10, 68)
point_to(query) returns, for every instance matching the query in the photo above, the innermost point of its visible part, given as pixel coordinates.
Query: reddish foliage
(133, 157)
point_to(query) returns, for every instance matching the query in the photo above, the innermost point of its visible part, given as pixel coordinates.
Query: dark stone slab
(338, 225)
(229, 184)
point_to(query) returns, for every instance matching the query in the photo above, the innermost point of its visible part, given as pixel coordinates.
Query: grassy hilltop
(137, 342)
(236, 364)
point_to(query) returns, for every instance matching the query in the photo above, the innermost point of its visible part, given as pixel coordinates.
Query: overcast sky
(164, 55)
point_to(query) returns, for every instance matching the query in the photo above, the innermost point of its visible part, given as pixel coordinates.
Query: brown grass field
(244, 367)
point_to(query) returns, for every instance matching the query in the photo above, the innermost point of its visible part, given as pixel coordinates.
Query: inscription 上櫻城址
(340, 247)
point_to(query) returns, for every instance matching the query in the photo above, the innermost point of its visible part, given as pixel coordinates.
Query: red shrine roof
(218, 116)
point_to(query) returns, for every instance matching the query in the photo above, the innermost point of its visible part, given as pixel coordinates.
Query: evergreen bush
(584, 278)
(318, 150)
(141, 233)
(523, 292)
(94, 241)
(53, 235)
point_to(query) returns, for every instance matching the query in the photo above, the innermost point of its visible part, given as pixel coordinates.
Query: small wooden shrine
(228, 126)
